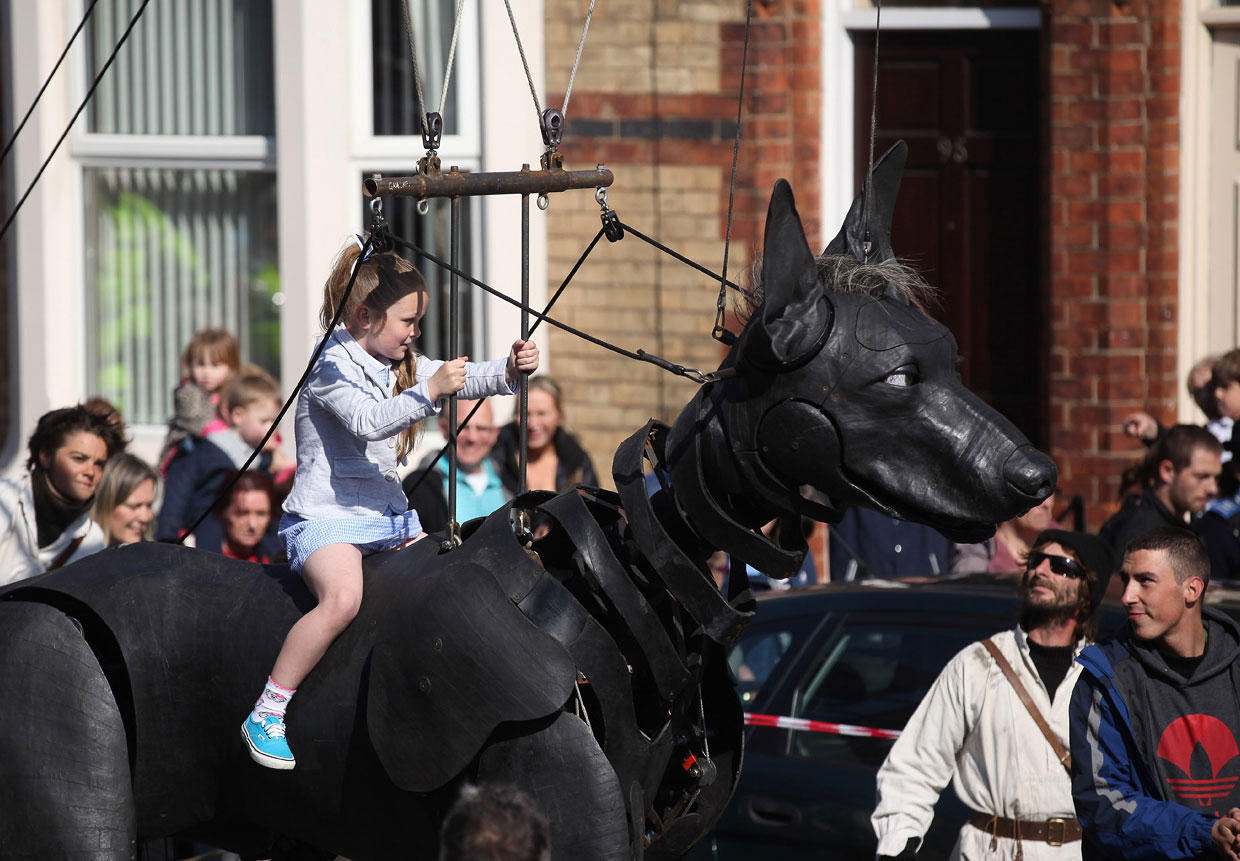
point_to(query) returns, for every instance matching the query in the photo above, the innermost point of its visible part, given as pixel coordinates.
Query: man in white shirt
(973, 726)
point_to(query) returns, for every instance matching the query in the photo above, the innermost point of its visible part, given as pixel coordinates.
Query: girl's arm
(496, 377)
(347, 396)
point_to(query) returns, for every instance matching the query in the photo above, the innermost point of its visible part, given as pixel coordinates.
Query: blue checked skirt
(369, 533)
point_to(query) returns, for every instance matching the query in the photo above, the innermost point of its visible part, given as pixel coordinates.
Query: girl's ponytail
(406, 378)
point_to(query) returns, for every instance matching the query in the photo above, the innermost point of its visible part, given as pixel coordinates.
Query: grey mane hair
(842, 273)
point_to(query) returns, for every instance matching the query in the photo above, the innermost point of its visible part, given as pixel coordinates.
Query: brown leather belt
(1055, 831)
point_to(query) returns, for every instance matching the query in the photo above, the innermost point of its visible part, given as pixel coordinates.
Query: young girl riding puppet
(356, 419)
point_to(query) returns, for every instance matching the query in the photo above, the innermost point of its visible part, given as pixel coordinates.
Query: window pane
(194, 67)
(432, 232)
(874, 675)
(761, 649)
(171, 252)
(396, 101)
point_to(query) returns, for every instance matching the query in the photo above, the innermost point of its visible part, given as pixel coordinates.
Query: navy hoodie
(1155, 756)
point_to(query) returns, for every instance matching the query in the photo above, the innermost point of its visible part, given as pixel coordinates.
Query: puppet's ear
(795, 318)
(885, 187)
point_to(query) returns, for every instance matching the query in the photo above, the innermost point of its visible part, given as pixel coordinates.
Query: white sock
(274, 700)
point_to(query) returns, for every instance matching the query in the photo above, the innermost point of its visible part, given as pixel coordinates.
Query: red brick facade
(1112, 213)
(656, 101)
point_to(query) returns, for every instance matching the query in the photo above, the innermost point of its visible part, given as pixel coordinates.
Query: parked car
(858, 656)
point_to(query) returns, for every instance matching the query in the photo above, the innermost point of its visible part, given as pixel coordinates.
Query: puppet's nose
(1030, 474)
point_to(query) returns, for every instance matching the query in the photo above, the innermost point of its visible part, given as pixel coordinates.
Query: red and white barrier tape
(819, 726)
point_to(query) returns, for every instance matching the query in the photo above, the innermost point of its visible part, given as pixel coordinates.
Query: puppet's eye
(903, 377)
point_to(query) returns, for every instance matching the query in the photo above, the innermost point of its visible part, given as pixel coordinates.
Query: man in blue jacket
(1155, 713)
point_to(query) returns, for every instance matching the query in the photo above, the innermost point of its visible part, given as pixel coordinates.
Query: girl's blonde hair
(123, 475)
(211, 346)
(382, 280)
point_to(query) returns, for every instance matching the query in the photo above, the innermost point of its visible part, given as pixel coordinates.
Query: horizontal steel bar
(453, 183)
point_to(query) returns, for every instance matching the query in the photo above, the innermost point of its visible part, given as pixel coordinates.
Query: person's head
(494, 822)
(71, 446)
(383, 314)
(1065, 578)
(546, 412)
(385, 308)
(124, 505)
(251, 403)
(1187, 462)
(211, 359)
(1165, 574)
(245, 513)
(1224, 386)
(475, 441)
(1200, 383)
(1032, 522)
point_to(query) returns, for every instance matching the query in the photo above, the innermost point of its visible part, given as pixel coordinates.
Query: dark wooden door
(967, 103)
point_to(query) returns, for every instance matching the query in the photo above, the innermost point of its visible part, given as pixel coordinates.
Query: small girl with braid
(357, 417)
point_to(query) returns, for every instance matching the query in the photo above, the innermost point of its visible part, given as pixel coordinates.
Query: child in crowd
(356, 418)
(210, 361)
(250, 405)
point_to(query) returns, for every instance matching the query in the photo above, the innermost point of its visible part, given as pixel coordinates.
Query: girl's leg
(334, 575)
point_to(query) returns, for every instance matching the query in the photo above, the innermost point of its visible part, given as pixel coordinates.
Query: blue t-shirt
(475, 497)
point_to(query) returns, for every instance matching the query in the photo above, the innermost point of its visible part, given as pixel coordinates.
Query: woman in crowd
(556, 460)
(45, 517)
(240, 524)
(1007, 551)
(124, 505)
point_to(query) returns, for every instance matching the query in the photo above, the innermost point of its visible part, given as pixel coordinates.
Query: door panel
(968, 215)
(1223, 321)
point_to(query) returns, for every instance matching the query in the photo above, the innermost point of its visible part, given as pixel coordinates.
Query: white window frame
(397, 155)
(248, 153)
(463, 148)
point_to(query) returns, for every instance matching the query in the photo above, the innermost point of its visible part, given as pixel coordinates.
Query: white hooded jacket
(971, 728)
(20, 554)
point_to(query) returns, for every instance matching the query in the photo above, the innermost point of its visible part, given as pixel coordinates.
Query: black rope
(8, 146)
(748, 294)
(89, 93)
(331, 327)
(869, 175)
(720, 332)
(639, 356)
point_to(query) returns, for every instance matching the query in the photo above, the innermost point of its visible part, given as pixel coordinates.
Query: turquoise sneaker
(265, 739)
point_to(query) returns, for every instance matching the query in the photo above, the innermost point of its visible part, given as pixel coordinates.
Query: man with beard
(996, 721)
(1155, 714)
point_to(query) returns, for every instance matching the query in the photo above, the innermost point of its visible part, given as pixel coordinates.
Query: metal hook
(543, 202)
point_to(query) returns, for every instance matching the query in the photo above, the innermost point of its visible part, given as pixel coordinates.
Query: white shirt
(972, 729)
(20, 554)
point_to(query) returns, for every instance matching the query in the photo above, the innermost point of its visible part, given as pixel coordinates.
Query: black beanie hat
(1092, 551)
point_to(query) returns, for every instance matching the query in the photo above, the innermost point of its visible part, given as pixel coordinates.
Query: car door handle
(770, 812)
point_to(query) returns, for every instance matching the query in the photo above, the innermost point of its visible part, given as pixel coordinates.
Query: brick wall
(655, 100)
(1113, 96)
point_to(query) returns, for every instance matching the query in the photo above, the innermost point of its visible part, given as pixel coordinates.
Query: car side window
(873, 674)
(760, 650)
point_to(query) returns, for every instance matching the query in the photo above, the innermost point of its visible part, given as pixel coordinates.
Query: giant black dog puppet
(589, 672)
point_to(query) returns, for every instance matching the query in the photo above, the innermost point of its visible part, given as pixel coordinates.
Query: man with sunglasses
(1155, 715)
(995, 722)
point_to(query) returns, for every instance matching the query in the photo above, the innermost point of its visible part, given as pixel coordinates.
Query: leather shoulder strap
(64, 555)
(1065, 757)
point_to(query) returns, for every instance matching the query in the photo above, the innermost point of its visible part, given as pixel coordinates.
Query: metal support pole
(454, 348)
(457, 184)
(525, 334)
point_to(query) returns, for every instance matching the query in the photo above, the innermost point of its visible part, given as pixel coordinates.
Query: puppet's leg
(568, 778)
(65, 788)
